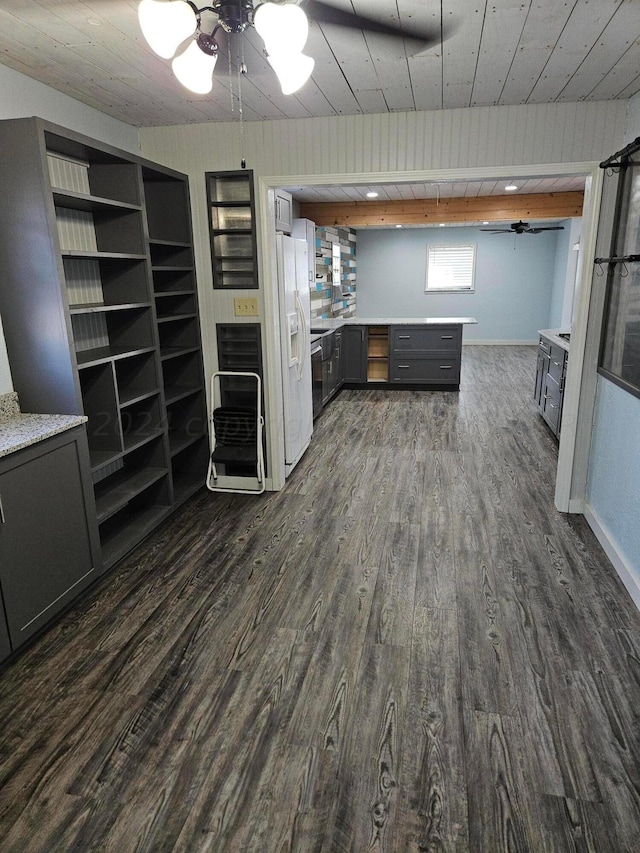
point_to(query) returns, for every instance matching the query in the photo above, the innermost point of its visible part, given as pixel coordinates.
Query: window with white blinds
(451, 268)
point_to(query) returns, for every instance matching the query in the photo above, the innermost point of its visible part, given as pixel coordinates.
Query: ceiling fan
(523, 228)
(283, 26)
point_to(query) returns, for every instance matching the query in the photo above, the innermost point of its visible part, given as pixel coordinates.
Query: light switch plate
(245, 306)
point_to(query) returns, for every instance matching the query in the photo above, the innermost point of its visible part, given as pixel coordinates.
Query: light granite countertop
(328, 324)
(19, 430)
(554, 336)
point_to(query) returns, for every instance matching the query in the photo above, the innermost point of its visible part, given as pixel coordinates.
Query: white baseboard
(628, 577)
(467, 343)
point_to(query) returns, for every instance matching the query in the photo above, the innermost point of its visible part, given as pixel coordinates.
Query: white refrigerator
(295, 349)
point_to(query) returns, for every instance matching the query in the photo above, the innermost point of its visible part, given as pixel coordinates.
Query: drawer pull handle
(446, 337)
(557, 363)
(2, 519)
(404, 337)
(445, 367)
(552, 406)
(403, 367)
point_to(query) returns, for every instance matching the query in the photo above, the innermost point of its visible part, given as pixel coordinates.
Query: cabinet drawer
(552, 403)
(426, 338)
(441, 370)
(556, 363)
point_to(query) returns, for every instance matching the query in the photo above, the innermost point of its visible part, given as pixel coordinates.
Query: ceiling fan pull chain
(242, 70)
(233, 105)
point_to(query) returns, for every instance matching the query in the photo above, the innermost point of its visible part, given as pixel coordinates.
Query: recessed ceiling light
(511, 187)
(372, 195)
(94, 22)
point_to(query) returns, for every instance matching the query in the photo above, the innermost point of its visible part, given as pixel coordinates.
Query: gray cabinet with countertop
(551, 369)
(424, 353)
(428, 355)
(49, 549)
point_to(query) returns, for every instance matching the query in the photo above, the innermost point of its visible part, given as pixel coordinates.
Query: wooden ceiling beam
(358, 214)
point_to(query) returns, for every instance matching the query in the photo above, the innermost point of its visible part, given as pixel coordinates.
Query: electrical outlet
(245, 306)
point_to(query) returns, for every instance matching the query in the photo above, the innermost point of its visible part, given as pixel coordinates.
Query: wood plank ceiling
(492, 52)
(445, 211)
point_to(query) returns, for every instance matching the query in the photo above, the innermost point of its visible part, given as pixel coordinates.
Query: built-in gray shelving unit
(99, 306)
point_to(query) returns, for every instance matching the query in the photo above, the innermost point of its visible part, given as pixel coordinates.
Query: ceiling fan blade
(325, 13)
(497, 230)
(548, 228)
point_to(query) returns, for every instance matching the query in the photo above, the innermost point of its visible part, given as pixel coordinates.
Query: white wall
(5, 371)
(564, 276)
(22, 97)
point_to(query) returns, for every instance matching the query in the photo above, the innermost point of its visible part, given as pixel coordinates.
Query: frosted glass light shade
(292, 70)
(166, 25)
(283, 28)
(194, 69)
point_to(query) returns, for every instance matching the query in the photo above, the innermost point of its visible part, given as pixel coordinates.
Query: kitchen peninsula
(49, 551)
(391, 352)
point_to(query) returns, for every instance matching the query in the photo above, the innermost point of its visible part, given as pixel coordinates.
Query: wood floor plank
(486, 632)
(327, 694)
(432, 812)
(370, 768)
(391, 618)
(502, 814)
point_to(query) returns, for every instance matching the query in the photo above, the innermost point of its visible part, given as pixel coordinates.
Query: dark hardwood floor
(407, 649)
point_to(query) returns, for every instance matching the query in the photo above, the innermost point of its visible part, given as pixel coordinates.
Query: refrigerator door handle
(303, 353)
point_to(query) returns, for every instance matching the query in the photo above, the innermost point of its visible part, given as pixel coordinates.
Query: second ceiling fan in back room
(523, 228)
(283, 26)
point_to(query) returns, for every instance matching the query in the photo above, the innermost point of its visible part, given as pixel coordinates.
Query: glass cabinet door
(232, 229)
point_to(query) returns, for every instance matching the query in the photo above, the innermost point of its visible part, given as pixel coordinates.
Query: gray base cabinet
(424, 356)
(332, 368)
(48, 537)
(5, 645)
(551, 368)
(354, 354)
(428, 355)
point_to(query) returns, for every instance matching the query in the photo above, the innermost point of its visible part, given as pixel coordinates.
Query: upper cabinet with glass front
(232, 227)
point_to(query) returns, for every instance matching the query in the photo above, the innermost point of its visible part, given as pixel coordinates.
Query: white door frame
(581, 378)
